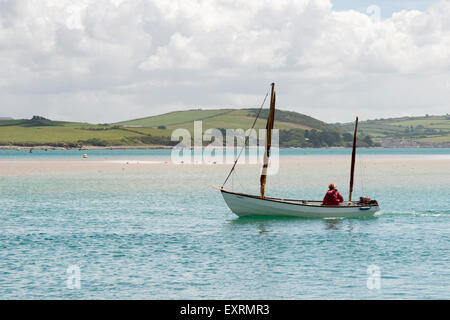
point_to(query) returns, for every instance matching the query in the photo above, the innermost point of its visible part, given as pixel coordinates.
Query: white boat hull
(248, 205)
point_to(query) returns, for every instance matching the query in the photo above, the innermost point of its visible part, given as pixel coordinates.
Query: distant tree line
(313, 138)
(319, 139)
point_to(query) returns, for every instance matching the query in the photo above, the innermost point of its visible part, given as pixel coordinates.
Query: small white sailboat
(253, 205)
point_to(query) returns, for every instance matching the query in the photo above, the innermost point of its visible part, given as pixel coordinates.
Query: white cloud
(105, 60)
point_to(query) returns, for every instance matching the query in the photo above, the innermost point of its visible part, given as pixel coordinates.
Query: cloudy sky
(110, 60)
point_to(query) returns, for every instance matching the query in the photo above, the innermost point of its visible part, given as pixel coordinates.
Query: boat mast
(352, 170)
(269, 127)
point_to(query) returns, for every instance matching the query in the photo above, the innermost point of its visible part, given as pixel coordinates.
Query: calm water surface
(162, 232)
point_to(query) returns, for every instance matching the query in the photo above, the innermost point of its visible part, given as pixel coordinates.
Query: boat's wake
(425, 213)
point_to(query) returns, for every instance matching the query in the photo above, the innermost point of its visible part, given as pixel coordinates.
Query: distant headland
(296, 130)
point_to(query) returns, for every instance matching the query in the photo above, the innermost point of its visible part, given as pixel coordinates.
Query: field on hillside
(431, 129)
(74, 134)
(227, 119)
(296, 130)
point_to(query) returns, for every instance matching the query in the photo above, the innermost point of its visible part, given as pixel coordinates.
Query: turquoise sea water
(161, 232)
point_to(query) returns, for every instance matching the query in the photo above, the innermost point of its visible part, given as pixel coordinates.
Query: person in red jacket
(333, 197)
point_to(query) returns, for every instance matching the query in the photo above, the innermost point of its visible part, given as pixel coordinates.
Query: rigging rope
(246, 140)
(236, 178)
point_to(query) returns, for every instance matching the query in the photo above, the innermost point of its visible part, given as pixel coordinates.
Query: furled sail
(269, 127)
(352, 168)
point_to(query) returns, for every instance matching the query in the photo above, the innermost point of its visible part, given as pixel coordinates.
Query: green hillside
(228, 118)
(39, 131)
(296, 130)
(428, 130)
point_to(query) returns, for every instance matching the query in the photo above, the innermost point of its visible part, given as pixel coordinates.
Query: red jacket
(332, 198)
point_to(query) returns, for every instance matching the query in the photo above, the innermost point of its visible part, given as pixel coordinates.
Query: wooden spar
(269, 127)
(352, 170)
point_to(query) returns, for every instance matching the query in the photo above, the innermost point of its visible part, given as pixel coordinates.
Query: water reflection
(262, 229)
(333, 224)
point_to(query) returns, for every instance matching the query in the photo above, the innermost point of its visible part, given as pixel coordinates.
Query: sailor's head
(331, 186)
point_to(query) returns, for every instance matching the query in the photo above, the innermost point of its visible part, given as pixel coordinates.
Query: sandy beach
(324, 164)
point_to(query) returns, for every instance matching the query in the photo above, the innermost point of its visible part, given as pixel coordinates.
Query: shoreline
(45, 147)
(86, 148)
